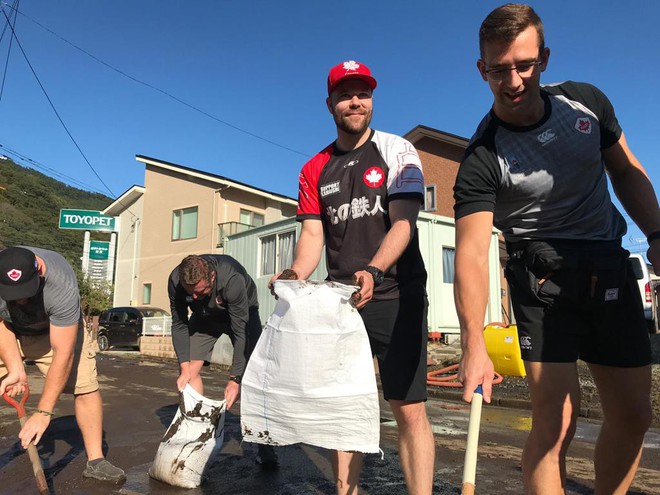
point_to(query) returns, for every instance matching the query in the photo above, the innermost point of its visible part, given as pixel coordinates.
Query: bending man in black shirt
(211, 295)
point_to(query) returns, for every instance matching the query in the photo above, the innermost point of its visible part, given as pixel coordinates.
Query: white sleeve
(405, 176)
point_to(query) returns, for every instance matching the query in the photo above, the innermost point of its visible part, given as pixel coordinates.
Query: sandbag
(192, 441)
(311, 377)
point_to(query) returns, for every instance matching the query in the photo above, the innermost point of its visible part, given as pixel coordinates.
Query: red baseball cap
(347, 70)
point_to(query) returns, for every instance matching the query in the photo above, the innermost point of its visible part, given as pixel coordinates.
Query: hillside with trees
(30, 204)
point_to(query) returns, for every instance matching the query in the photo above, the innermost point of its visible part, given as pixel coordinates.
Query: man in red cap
(40, 308)
(361, 196)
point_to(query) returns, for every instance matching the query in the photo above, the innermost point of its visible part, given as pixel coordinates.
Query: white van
(641, 271)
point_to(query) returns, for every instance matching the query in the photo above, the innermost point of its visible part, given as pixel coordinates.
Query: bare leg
(89, 415)
(195, 378)
(346, 467)
(555, 393)
(416, 445)
(625, 398)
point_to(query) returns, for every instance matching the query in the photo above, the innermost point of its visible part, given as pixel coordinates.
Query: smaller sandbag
(192, 441)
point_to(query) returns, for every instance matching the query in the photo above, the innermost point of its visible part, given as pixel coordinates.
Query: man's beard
(349, 129)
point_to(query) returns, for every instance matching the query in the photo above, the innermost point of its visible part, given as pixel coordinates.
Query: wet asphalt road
(140, 401)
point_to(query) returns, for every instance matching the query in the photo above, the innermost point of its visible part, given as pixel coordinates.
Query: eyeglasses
(524, 70)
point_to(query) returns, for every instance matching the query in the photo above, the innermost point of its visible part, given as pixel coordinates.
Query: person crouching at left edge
(40, 309)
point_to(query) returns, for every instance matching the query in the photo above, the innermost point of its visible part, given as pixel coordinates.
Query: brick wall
(440, 172)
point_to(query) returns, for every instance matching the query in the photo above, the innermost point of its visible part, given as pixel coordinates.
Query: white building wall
(129, 240)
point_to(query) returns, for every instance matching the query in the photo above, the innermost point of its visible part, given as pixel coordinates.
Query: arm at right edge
(473, 233)
(309, 248)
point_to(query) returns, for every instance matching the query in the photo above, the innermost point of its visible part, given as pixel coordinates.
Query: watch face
(377, 274)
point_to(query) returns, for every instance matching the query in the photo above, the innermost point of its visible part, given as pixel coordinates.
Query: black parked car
(123, 326)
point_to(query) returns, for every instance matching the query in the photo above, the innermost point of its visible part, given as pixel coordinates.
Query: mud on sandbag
(310, 378)
(192, 441)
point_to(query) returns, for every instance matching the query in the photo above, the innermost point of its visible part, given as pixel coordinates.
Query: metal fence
(157, 326)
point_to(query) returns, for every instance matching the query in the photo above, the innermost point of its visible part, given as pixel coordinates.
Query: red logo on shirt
(583, 124)
(374, 177)
(15, 274)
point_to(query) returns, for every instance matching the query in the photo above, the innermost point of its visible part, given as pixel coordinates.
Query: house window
(251, 218)
(146, 294)
(277, 252)
(429, 198)
(184, 224)
(448, 255)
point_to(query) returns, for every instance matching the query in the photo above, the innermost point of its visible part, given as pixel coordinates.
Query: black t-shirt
(233, 296)
(548, 180)
(350, 193)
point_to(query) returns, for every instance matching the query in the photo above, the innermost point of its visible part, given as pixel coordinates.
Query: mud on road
(140, 401)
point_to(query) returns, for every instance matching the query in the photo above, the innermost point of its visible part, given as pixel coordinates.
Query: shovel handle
(40, 477)
(470, 465)
(18, 405)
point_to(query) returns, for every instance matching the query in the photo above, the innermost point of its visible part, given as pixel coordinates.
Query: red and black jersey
(350, 192)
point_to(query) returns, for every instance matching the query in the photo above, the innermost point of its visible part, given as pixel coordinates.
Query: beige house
(128, 208)
(180, 211)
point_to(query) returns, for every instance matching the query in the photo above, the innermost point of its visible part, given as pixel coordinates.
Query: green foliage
(95, 295)
(30, 204)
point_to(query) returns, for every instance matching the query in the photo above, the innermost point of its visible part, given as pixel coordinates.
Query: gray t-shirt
(545, 181)
(57, 302)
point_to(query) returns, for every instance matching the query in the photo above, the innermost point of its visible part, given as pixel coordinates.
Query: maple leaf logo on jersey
(583, 124)
(374, 177)
(15, 274)
(351, 65)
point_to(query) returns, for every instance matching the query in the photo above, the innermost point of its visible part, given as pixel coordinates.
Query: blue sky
(261, 66)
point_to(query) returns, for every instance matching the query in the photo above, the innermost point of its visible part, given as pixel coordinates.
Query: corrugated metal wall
(246, 248)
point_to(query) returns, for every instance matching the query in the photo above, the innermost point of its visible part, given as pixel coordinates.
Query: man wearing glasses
(537, 169)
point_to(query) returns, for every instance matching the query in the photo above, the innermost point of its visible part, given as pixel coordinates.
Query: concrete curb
(455, 396)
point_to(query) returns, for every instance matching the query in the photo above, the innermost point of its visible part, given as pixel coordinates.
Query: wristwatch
(236, 378)
(376, 273)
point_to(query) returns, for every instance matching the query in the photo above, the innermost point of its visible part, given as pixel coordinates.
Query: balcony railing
(157, 326)
(230, 228)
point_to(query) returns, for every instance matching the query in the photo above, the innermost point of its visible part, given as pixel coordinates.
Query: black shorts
(398, 334)
(589, 308)
(205, 332)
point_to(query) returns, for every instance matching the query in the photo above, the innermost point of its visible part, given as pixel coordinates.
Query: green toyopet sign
(86, 220)
(98, 250)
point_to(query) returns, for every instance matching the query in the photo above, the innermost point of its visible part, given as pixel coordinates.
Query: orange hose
(450, 380)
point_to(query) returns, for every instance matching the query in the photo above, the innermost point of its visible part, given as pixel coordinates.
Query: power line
(53, 106)
(4, 29)
(54, 172)
(58, 115)
(33, 163)
(11, 40)
(169, 95)
(15, 153)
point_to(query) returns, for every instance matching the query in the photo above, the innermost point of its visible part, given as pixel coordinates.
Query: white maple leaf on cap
(374, 177)
(351, 65)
